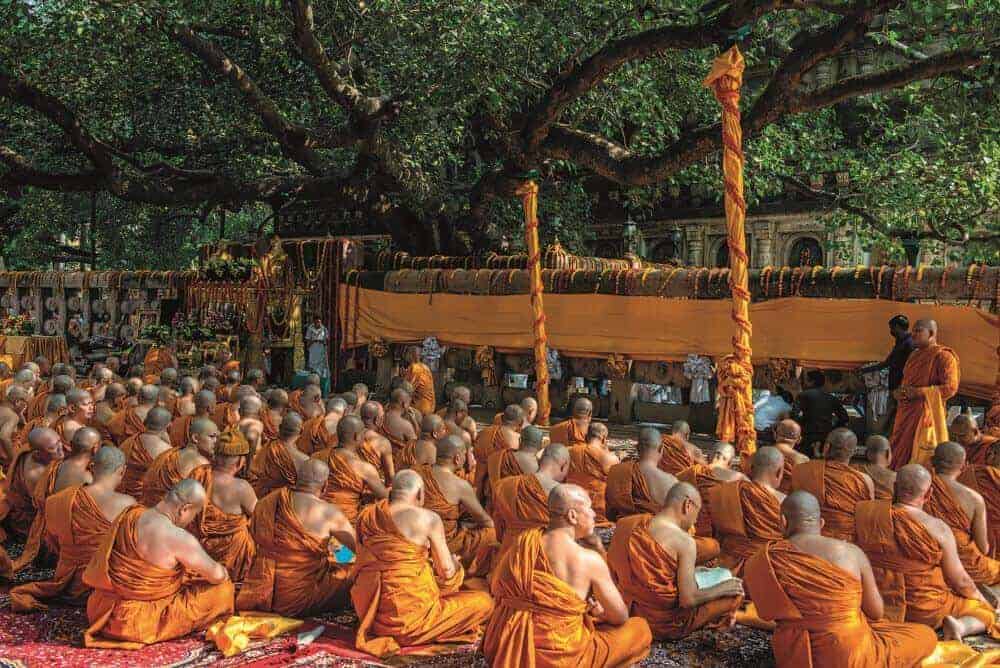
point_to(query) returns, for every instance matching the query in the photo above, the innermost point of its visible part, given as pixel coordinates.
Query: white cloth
(769, 409)
(431, 351)
(553, 363)
(877, 384)
(699, 370)
(317, 360)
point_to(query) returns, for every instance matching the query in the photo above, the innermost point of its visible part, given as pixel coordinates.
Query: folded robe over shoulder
(906, 560)
(520, 504)
(17, 511)
(293, 573)
(586, 471)
(180, 430)
(838, 488)
(397, 598)
(502, 464)
(568, 433)
(136, 603)
(226, 415)
(226, 537)
(627, 491)
(137, 462)
(125, 424)
(817, 607)
(37, 534)
(945, 506)
(160, 477)
(746, 517)
(488, 441)
(920, 424)
(344, 487)
(646, 574)
(315, 436)
(703, 477)
(986, 481)
(272, 467)
(674, 455)
(420, 376)
(77, 525)
(540, 621)
(476, 547)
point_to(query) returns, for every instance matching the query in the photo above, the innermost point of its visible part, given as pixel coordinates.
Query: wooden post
(528, 191)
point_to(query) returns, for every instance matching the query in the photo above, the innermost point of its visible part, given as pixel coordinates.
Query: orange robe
(568, 433)
(920, 424)
(135, 603)
(405, 457)
(125, 424)
(77, 525)
(370, 453)
(419, 375)
(231, 365)
(270, 430)
(398, 600)
(137, 462)
(502, 464)
(586, 471)
(817, 607)
(226, 415)
(540, 621)
(160, 477)
(272, 467)
(977, 453)
(906, 561)
(295, 402)
(225, 537)
(17, 511)
(344, 487)
(838, 488)
(519, 504)
(475, 547)
(646, 574)
(944, 505)
(746, 517)
(315, 436)
(36, 405)
(703, 477)
(488, 441)
(37, 534)
(180, 430)
(628, 492)
(674, 455)
(158, 359)
(293, 573)
(986, 481)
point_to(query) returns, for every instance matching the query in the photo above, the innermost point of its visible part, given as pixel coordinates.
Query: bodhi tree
(420, 117)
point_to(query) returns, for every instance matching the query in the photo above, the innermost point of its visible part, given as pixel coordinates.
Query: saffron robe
(137, 462)
(540, 621)
(17, 512)
(627, 491)
(703, 477)
(135, 603)
(646, 575)
(295, 402)
(43, 488)
(944, 505)
(398, 600)
(921, 424)
(502, 464)
(158, 359)
(226, 415)
(160, 477)
(76, 524)
(838, 488)
(270, 430)
(475, 546)
(568, 433)
(226, 537)
(369, 451)
(293, 573)
(674, 455)
(315, 436)
(746, 517)
(488, 441)
(272, 467)
(586, 471)
(986, 481)
(519, 504)
(419, 375)
(124, 424)
(36, 405)
(180, 430)
(344, 487)
(906, 561)
(977, 453)
(817, 607)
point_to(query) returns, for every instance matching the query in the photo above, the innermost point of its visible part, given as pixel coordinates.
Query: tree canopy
(420, 117)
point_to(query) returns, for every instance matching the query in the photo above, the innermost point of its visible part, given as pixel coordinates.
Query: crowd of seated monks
(166, 503)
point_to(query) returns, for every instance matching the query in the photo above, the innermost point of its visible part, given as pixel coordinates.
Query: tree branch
(23, 173)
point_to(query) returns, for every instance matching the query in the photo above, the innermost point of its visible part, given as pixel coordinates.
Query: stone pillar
(694, 238)
(763, 255)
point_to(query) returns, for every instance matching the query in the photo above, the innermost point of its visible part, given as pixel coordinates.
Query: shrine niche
(805, 252)
(722, 252)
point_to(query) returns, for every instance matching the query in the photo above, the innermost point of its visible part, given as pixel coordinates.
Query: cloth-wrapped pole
(528, 192)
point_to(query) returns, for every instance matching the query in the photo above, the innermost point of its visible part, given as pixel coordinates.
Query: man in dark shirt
(820, 412)
(899, 329)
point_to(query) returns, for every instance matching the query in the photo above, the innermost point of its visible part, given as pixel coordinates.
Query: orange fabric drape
(528, 193)
(838, 488)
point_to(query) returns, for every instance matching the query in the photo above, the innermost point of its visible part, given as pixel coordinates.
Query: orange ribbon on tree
(528, 192)
(735, 370)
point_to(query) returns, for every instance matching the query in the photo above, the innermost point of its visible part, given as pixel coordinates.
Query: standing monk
(635, 485)
(420, 376)
(521, 502)
(788, 439)
(175, 464)
(223, 527)
(351, 477)
(589, 464)
(274, 464)
(823, 595)
(837, 486)
(129, 421)
(965, 431)
(574, 430)
(494, 438)
(76, 519)
(964, 511)
(468, 529)
(679, 453)
(930, 379)
(985, 479)
(747, 513)
(294, 573)
(916, 564)
(142, 450)
(878, 454)
(152, 580)
(706, 477)
(406, 580)
(30, 465)
(652, 559)
(549, 589)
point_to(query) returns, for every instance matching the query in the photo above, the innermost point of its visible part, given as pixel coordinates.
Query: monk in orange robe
(129, 421)
(878, 454)
(173, 465)
(152, 581)
(494, 438)
(180, 428)
(678, 452)
(223, 528)
(159, 358)
(294, 572)
(589, 464)
(320, 432)
(31, 466)
(12, 404)
(521, 502)
(309, 402)
(457, 419)
(274, 464)
(542, 619)
(916, 564)
(272, 415)
(964, 511)
(226, 414)
(706, 477)
(55, 408)
(419, 375)
(638, 486)
(468, 529)
(822, 594)
(787, 437)
(965, 431)
(747, 513)
(142, 450)
(930, 379)
(406, 580)
(79, 413)
(574, 430)
(984, 479)
(76, 519)
(37, 407)
(422, 451)
(351, 477)
(837, 486)
(507, 462)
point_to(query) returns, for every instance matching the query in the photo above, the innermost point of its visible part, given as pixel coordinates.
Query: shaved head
(186, 492)
(291, 425)
(312, 474)
(76, 396)
(841, 444)
(582, 407)
(926, 323)
(788, 430)
(336, 405)
(556, 453)
(597, 432)
(723, 451)
(948, 457)
(680, 428)
(55, 403)
(149, 394)
(24, 376)
(62, 384)
(277, 399)
(876, 447)
(157, 419)
(457, 406)
(513, 415)
(242, 392)
(531, 438)
(168, 376)
(399, 397)
(204, 401)
(188, 385)
(251, 406)
(963, 424)
(203, 425)
(766, 461)
(107, 461)
(912, 483)
(565, 497)
(431, 423)
(406, 486)
(370, 411)
(649, 439)
(462, 393)
(17, 393)
(529, 405)
(801, 511)
(86, 439)
(350, 430)
(449, 447)
(680, 493)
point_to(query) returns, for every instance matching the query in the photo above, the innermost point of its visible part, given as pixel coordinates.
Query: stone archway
(804, 251)
(720, 252)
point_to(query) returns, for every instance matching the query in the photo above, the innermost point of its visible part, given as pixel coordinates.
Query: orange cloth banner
(830, 333)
